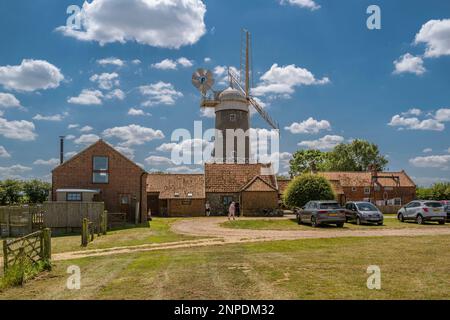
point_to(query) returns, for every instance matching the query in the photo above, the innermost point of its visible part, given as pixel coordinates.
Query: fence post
(47, 242)
(84, 232)
(5, 255)
(22, 264)
(104, 222)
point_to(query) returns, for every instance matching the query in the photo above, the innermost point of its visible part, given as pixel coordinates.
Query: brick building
(112, 178)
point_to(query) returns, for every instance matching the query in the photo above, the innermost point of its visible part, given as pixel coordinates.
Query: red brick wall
(181, 208)
(406, 193)
(124, 178)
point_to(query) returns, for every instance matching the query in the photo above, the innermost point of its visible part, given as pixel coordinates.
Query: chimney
(61, 149)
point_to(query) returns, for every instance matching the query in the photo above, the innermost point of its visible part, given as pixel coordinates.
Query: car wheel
(419, 219)
(358, 221)
(340, 225)
(314, 223)
(442, 222)
(401, 218)
(380, 223)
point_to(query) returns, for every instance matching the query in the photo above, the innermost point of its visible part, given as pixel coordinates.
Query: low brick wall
(389, 209)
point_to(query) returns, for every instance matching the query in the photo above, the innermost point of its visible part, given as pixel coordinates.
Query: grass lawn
(158, 232)
(411, 268)
(291, 224)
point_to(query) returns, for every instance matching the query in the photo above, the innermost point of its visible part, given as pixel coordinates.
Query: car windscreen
(330, 205)
(366, 207)
(433, 204)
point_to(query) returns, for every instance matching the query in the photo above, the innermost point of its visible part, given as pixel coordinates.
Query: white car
(421, 211)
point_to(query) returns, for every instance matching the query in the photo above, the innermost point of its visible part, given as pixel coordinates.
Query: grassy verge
(291, 224)
(411, 268)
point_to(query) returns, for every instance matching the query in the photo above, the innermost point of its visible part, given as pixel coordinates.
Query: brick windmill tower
(232, 109)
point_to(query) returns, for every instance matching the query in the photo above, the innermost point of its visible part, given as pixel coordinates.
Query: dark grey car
(363, 212)
(319, 213)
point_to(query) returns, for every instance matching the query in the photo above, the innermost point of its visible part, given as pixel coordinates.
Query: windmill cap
(231, 94)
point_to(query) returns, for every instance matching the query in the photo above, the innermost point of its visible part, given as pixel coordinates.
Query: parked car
(422, 211)
(363, 212)
(321, 212)
(446, 204)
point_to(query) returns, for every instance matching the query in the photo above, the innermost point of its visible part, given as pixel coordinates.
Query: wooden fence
(33, 248)
(17, 221)
(89, 229)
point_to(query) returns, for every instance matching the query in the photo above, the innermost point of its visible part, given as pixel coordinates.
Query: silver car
(363, 212)
(422, 211)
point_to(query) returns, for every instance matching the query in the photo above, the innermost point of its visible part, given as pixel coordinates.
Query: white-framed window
(100, 169)
(233, 117)
(377, 187)
(74, 196)
(366, 190)
(353, 189)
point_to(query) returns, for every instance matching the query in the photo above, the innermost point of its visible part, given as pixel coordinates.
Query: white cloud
(184, 62)
(414, 123)
(207, 60)
(158, 161)
(55, 117)
(8, 100)
(126, 151)
(437, 161)
(159, 93)
(115, 94)
(427, 150)
(166, 24)
(51, 162)
(443, 115)
(19, 130)
(136, 61)
(111, 61)
(283, 80)
(73, 126)
(184, 170)
(325, 143)
(137, 112)
(70, 154)
(86, 129)
(133, 134)
(106, 81)
(309, 4)
(166, 64)
(409, 64)
(4, 153)
(309, 126)
(435, 34)
(87, 97)
(30, 75)
(188, 148)
(70, 137)
(87, 139)
(412, 112)
(13, 172)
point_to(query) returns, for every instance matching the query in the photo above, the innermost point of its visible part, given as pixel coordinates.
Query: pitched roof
(231, 178)
(363, 179)
(177, 186)
(258, 183)
(92, 146)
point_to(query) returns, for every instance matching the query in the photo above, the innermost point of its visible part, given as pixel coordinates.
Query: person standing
(232, 211)
(207, 209)
(237, 208)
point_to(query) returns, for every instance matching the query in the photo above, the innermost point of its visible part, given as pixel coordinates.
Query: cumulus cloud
(166, 24)
(184, 170)
(325, 143)
(13, 172)
(106, 81)
(413, 123)
(443, 115)
(126, 151)
(18, 130)
(50, 162)
(8, 100)
(169, 64)
(86, 129)
(158, 161)
(111, 61)
(137, 112)
(159, 93)
(435, 161)
(133, 134)
(409, 64)
(4, 153)
(87, 97)
(187, 149)
(309, 126)
(435, 34)
(115, 94)
(282, 81)
(185, 62)
(427, 150)
(30, 75)
(86, 139)
(55, 117)
(308, 4)
(73, 126)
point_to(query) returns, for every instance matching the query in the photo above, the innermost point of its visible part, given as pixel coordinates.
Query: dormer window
(100, 170)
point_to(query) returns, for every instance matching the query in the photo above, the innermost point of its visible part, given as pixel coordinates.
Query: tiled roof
(169, 185)
(258, 183)
(231, 178)
(282, 184)
(363, 179)
(337, 187)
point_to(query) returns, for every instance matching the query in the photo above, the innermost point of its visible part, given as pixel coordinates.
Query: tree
(11, 193)
(358, 155)
(438, 191)
(307, 187)
(304, 161)
(36, 191)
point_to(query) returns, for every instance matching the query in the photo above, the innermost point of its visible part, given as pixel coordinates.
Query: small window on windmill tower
(233, 117)
(190, 195)
(177, 195)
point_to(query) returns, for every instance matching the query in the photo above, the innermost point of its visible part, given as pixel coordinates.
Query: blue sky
(312, 59)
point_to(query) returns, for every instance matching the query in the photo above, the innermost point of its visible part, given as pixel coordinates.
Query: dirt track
(210, 227)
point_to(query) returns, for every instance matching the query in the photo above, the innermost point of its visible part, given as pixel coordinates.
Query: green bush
(18, 274)
(305, 188)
